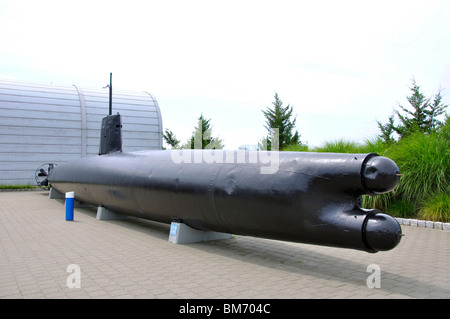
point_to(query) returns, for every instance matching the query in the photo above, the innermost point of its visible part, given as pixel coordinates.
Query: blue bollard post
(69, 205)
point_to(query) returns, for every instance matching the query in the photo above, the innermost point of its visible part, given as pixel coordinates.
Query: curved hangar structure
(44, 123)
(309, 197)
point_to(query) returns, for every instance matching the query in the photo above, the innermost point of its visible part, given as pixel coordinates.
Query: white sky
(342, 65)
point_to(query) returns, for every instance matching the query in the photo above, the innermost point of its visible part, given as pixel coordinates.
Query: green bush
(339, 146)
(423, 190)
(380, 202)
(402, 208)
(375, 145)
(423, 160)
(436, 208)
(296, 148)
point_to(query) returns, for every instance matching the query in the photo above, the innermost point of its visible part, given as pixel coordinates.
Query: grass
(296, 148)
(17, 187)
(423, 190)
(424, 162)
(436, 208)
(402, 208)
(339, 146)
(375, 145)
(381, 202)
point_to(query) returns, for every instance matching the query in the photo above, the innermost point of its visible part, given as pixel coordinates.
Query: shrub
(296, 148)
(339, 146)
(423, 190)
(423, 160)
(380, 202)
(436, 208)
(402, 208)
(375, 145)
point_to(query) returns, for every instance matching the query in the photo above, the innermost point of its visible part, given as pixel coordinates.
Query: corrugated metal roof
(41, 123)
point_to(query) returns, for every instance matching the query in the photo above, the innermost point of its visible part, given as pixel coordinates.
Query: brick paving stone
(133, 259)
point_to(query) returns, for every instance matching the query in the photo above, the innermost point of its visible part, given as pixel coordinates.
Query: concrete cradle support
(55, 194)
(104, 213)
(181, 233)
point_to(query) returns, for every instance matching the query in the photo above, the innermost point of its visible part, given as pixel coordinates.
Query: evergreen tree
(170, 138)
(202, 137)
(422, 115)
(387, 130)
(279, 117)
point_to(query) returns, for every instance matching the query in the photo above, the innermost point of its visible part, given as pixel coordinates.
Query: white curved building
(44, 123)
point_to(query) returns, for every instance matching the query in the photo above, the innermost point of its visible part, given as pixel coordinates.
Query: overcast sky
(342, 65)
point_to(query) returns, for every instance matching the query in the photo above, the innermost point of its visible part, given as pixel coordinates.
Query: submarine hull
(309, 198)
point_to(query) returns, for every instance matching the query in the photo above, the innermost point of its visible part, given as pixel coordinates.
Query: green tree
(387, 130)
(422, 115)
(279, 117)
(170, 138)
(202, 137)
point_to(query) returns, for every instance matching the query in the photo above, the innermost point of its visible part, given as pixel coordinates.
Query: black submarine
(312, 198)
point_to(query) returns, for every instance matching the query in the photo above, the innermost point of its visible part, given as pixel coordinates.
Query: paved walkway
(133, 259)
